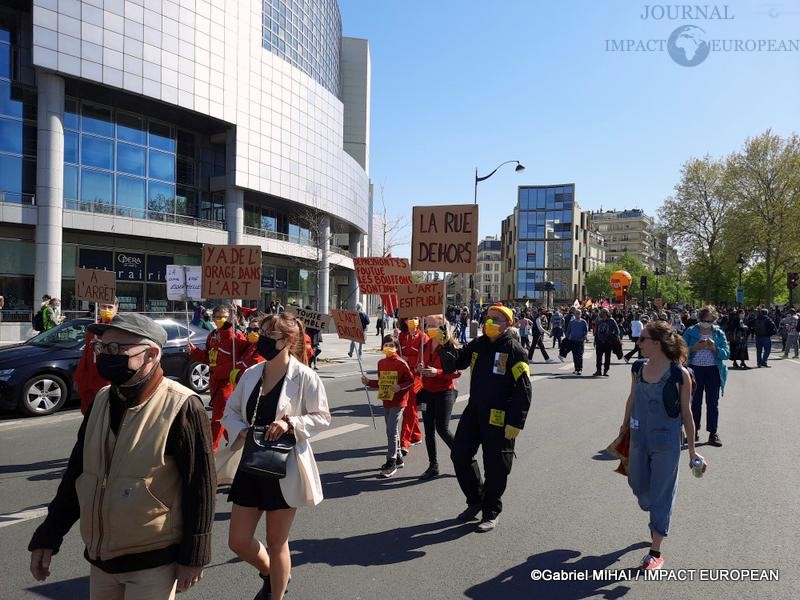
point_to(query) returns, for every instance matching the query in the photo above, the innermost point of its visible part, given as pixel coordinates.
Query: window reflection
(130, 128)
(70, 182)
(97, 119)
(162, 166)
(130, 192)
(131, 159)
(162, 136)
(97, 152)
(96, 187)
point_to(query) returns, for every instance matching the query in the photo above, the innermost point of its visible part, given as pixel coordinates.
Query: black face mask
(114, 368)
(267, 347)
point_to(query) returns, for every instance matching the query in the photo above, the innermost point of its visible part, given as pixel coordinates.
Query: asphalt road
(565, 509)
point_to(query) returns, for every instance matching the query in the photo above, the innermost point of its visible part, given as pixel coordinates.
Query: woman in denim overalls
(655, 436)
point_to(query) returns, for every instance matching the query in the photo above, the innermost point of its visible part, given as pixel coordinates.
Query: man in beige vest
(140, 478)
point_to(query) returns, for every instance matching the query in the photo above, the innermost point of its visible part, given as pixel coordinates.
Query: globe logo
(687, 46)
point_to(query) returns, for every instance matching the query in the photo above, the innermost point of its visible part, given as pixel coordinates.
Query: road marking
(329, 433)
(22, 516)
(24, 423)
(797, 362)
(566, 368)
(462, 398)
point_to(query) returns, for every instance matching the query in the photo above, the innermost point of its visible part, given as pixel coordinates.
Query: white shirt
(636, 328)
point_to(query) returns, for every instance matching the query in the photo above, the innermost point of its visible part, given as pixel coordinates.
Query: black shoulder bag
(263, 457)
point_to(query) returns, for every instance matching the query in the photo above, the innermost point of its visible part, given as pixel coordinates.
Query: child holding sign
(393, 383)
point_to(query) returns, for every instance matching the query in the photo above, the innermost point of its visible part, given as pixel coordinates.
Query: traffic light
(643, 282)
(791, 280)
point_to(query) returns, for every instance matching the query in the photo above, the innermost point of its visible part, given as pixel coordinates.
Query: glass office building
(548, 234)
(132, 134)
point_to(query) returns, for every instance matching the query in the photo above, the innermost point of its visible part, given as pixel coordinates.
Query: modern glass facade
(307, 34)
(17, 123)
(545, 248)
(132, 165)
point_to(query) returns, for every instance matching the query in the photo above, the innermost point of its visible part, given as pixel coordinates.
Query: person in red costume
(411, 340)
(437, 396)
(251, 356)
(219, 354)
(86, 376)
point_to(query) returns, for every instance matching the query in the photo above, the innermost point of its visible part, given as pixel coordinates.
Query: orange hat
(506, 312)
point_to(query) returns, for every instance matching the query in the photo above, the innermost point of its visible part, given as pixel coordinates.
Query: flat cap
(135, 324)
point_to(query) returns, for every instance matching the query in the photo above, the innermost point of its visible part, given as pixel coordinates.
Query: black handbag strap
(255, 394)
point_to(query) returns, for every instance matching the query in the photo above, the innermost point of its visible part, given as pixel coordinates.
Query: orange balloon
(620, 280)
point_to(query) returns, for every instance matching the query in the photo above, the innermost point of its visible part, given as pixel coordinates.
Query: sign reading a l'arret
(95, 285)
(445, 238)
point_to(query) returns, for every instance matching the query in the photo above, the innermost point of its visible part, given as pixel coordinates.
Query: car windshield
(67, 335)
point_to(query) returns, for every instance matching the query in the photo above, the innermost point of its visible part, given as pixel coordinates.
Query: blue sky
(460, 84)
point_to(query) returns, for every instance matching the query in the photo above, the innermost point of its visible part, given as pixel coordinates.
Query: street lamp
(740, 292)
(518, 169)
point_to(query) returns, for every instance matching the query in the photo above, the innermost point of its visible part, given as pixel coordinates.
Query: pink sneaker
(650, 562)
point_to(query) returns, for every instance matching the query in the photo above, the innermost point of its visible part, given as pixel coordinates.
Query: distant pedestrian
(557, 327)
(605, 337)
(764, 328)
(658, 404)
(364, 324)
(286, 397)
(51, 314)
(708, 351)
(636, 330)
(394, 381)
(792, 334)
(380, 324)
(577, 333)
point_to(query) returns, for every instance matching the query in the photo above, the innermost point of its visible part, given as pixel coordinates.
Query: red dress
(218, 355)
(411, 351)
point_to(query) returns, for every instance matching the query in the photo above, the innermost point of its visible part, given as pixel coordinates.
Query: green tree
(764, 181)
(695, 220)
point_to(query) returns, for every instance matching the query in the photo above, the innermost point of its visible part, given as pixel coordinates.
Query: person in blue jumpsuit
(658, 404)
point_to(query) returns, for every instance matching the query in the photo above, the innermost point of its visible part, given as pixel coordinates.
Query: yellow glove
(233, 375)
(511, 432)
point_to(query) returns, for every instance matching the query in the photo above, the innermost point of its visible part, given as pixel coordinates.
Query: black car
(36, 376)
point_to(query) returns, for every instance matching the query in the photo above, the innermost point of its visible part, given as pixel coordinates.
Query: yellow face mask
(252, 337)
(490, 329)
(389, 352)
(434, 333)
(106, 316)
(413, 324)
(220, 322)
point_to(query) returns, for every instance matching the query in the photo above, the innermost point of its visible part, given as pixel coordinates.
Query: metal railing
(17, 198)
(285, 237)
(140, 213)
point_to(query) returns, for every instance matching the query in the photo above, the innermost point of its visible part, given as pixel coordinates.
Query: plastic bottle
(697, 466)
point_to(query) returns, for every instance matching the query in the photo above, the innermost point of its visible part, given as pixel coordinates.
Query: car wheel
(43, 395)
(198, 377)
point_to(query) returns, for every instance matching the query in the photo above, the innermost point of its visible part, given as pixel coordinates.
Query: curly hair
(672, 343)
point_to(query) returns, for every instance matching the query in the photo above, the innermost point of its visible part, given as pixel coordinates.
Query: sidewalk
(335, 349)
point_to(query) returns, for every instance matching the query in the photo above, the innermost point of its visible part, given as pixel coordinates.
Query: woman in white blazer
(288, 396)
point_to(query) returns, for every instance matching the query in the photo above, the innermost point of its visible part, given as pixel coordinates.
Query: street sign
(740, 295)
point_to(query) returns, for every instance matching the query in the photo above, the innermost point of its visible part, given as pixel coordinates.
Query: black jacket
(500, 376)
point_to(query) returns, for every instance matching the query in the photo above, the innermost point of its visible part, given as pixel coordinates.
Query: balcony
(140, 213)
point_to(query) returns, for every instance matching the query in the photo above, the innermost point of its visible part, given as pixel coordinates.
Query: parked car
(36, 376)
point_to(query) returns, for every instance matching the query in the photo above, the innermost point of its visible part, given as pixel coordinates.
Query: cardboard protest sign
(445, 238)
(386, 379)
(381, 274)
(348, 325)
(310, 318)
(95, 285)
(231, 272)
(420, 299)
(184, 283)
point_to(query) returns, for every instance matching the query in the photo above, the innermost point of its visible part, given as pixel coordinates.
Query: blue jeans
(763, 348)
(708, 382)
(353, 347)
